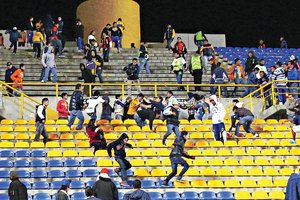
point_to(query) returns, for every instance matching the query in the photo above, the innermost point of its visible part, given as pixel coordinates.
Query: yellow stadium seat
(67, 144)
(54, 153)
(271, 121)
(161, 129)
(223, 172)
(265, 183)
(102, 121)
(22, 136)
(192, 172)
(31, 122)
(107, 129)
(50, 129)
(166, 162)
(295, 152)
(209, 152)
(259, 143)
(70, 153)
(284, 121)
(153, 136)
(53, 136)
(215, 161)
(216, 144)
(146, 129)
(253, 152)
(137, 162)
(62, 122)
(134, 128)
(232, 183)
(215, 183)
(7, 136)
(239, 171)
(104, 163)
(278, 135)
(158, 122)
(20, 129)
(133, 153)
(224, 152)
(63, 129)
(271, 171)
(157, 144)
(22, 145)
(163, 152)
(153, 162)
(291, 161)
(261, 161)
(255, 172)
(273, 143)
(260, 195)
(184, 121)
(276, 195)
(20, 122)
(195, 122)
(246, 161)
(242, 195)
(268, 128)
(111, 136)
(143, 144)
(276, 161)
(159, 172)
(282, 152)
(120, 129)
(230, 143)
(86, 153)
(139, 136)
(6, 128)
(142, 172)
(203, 129)
(244, 143)
(207, 172)
(52, 144)
(230, 161)
(265, 135)
(285, 143)
(198, 183)
(184, 184)
(280, 182)
(50, 122)
(200, 162)
(207, 121)
(101, 153)
(201, 143)
(248, 183)
(281, 128)
(286, 171)
(238, 152)
(196, 135)
(32, 129)
(7, 122)
(37, 144)
(258, 121)
(116, 122)
(66, 136)
(32, 136)
(149, 152)
(189, 143)
(129, 122)
(267, 152)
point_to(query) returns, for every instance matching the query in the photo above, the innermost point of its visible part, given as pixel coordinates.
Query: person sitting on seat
(96, 135)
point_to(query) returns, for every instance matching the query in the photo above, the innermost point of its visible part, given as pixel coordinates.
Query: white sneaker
(256, 135)
(280, 103)
(42, 81)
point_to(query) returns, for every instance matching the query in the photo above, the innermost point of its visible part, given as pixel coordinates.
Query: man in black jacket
(250, 63)
(104, 188)
(17, 190)
(79, 30)
(120, 154)
(146, 112)
(132, 71)
(76, 107)
(176, 155)
(40, 121)
(9, 71)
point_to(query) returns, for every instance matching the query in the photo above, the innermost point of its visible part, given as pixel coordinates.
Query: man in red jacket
(62, 107)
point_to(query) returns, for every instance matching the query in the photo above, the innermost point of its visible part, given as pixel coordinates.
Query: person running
(171, 115)
(176, 155)
(119, 146)
(40, 120)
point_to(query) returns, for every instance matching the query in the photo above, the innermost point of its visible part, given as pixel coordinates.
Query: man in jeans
(132, 71)
(120, 155)
(40, 120)
(169, 36)
(178, 65)
(144, 58)
(76, 107)
(48, 61)
(172, 122)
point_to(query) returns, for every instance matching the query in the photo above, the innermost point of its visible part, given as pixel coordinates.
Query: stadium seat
(246, 161)
(86, 153)
(55, 163)
(196, 135)
(261, 161)
(78, 195)
(67, 144)
(203, 129)
(255, 171)
(52, 144)
(101, 153)
(189, 195)
(231, 183)
(153, 136)
(4, 185)
(239, 171)
(6, 144)
(291, 161)
(276, 195)
(5, 164)
(149, 152)
(192, 172)
(133, 153)
(75, 184)
(41, 196)
(7, 136)
(38, 174)
(54, 153)
(148, 184)
(55, 184)
(157, 144)
(42, 185)
(143, 144)
(63, 129)
(225, 195)
(90, 183)
(209, 152)
(195, 122)
(23, 145)
(155, 196)
(81, 136)
(20, 129)
(248, 183)
(4, 196)
(50, 129)
(207, 195)
(280, 182)
(139, 136)
(27, 184)
(21, 122)
(276, 161)
(104, 163)
(230, 161)
(7, 122)
(88, 163)
(37, 163)
(22, 136)
(159, 172)
(163, 152)
(265, 183)
(6, 153)
(215, 161)
(223, 172)
(141, 172)
(242, 195)
(260, 195)
(171, 195)
(73, 173)
(6, 129)
(238, 152)
(198, 183)
(153, 162)
(244, 143)
(38, 153)
(120, 128)
(56, 174)
(214, 183)
(90, 173)
(37, 145)
(161, 129)
(21, 163)
(23, 173)
(71, 163)
(4, 174)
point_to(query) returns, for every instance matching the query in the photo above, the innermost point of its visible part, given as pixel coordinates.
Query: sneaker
(179, 179)
(61, 56)
(292, 141)
(42, 81)
(256, 135)
(124, 184)
(280, 103)
(117, 172)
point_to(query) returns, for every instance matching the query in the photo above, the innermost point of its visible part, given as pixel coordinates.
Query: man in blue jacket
(76, 107)
(252, 79)
(14, 35)
(292, 74)
(9, 71)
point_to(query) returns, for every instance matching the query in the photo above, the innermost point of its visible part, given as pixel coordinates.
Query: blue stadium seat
(43, 185)
(155, 196)
(112, 173)
(21, 163)
(4, 196)
(88, 163)
(189, 195)
(54, 196)
(207, 195)
(41, 196)
(73, 173)
(4, 185)
(27, 184)
(56, 174)
(78, 196)
(38, 174)
(71, 163)
(77, 185)
(6, 153)
(55, 163)
(90, 173)
(4, 174)
(23, 173)
(121, 195)
(38, 153)
(22, 153)
(5, 163)
(159, 184)
(55, 184)
(38, 163)
(148, 184)
(90, 183)
(117, 184)
(225, 195)
(171, 195)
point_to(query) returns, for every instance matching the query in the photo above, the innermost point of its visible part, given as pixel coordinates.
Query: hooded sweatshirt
(48, 58)
(118, 146)
(218, 111)
(137, 195)
(105, 189)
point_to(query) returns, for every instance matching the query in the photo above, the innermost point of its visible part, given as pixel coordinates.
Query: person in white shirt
(261, 66)
(218, 113)
(92, 104)
(119, 107)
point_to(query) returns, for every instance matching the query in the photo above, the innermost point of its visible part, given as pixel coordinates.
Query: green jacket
(62, 196)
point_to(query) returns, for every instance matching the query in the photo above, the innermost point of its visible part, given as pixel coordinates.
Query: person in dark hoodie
(9, 71)
(14, 35)
(250, 63)
(79, 33)
(76, 107)
(146, 112)
(137, 194)
(17, 190)
(176, 155)
(106, 107)
(87, 77)
(104, 188)
(120, 155)
(219, 76)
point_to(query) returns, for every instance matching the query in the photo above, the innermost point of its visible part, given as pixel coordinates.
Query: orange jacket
(232, 72)
(17, 78)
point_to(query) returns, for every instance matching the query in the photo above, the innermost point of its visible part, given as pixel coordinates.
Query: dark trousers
(197, 78)
(124, 166)
(175, 161)
(98, 145)
(14, 44)
(233, 121)
(218, 130)
(37, 49)
(41, 130)
(99, 74)
(106, 55)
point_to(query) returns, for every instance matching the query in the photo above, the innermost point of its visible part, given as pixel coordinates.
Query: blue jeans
(171, 128)
(106, 116)
(57, 44)
(246, 123)
(237, 81)
(179, 79)
(144, 63)
(199, 43)
(124, 166)
(213, 90)
(169, 41)
(106, 55)
(80, 43)
(79, 115)
(121, 45)
(175, 161)
(293, 90)
(139, 121)
(218, 129)
(281, 93)
(41, 130)
(53, 71)
(116, 40)
(29, 37)
(99, 74)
